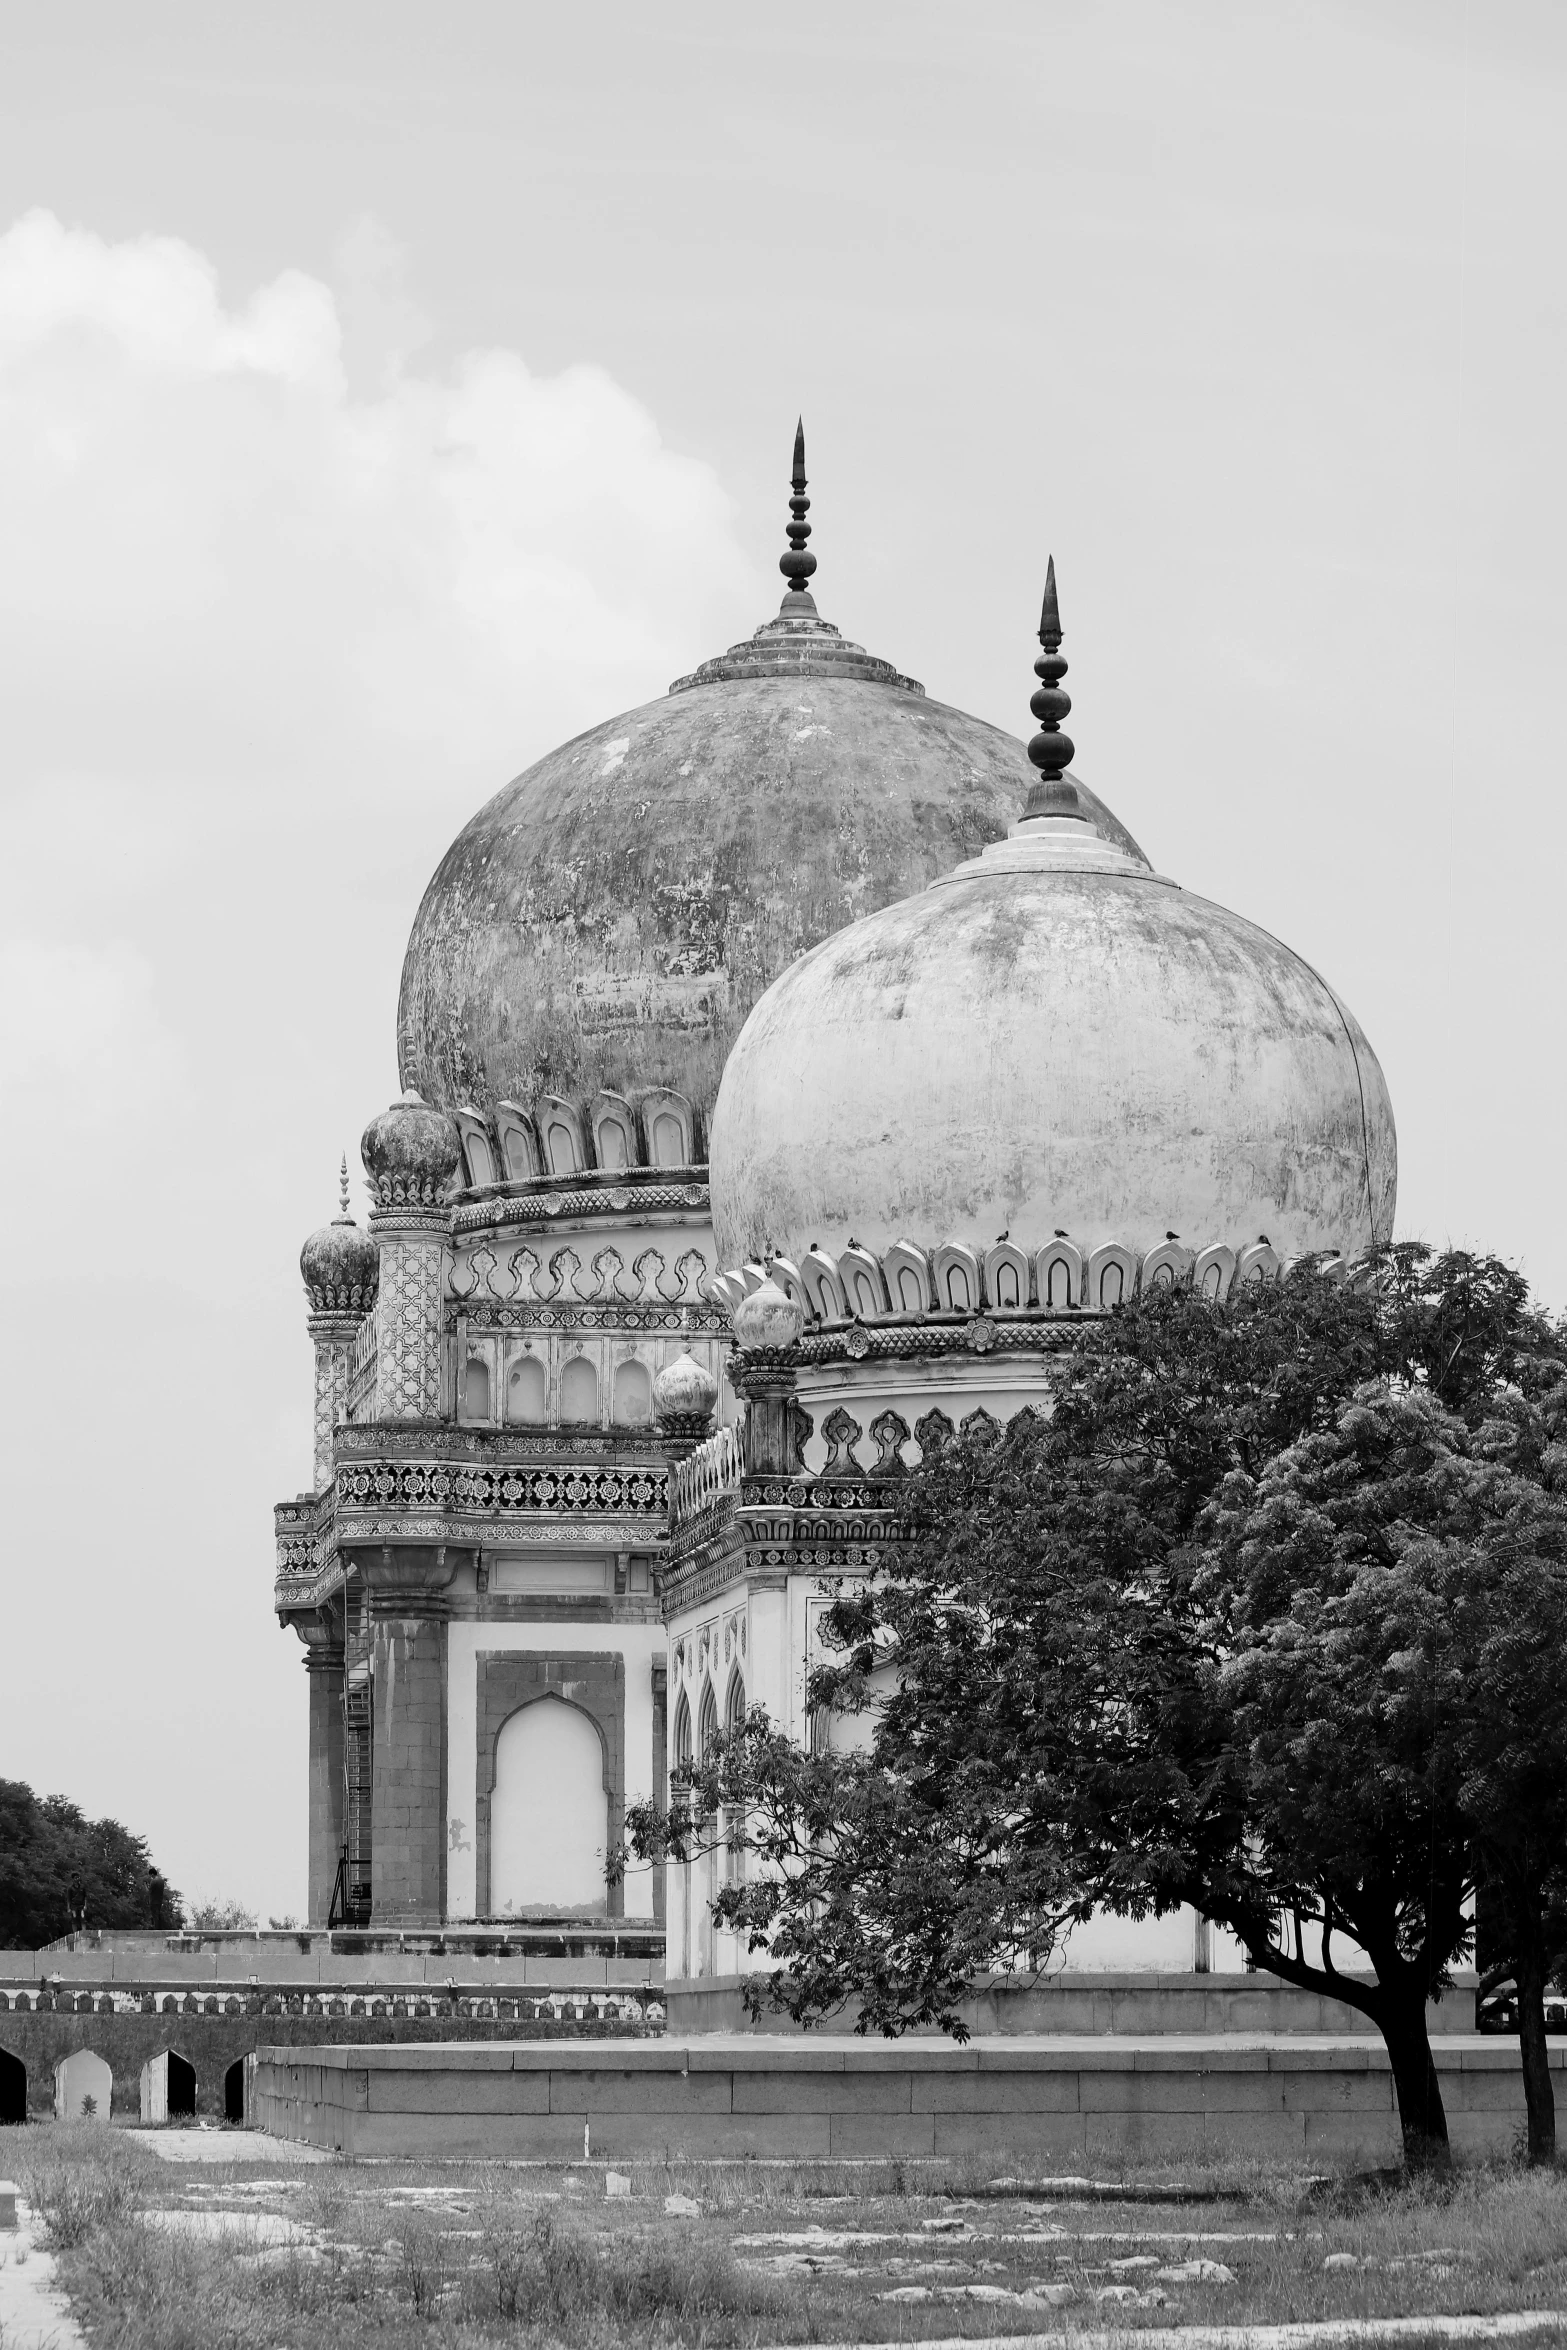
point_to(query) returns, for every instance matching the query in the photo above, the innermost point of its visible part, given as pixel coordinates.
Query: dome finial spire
(343, 1216)
(797, 566)
(1054, 794)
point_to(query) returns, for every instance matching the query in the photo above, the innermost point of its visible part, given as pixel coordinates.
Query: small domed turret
(412, 1155)
(768, 1316)
(683, 1397)
(339, 1263)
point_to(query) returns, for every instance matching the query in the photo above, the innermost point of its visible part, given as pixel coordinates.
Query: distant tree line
(1266, 1615)
(62, 1873)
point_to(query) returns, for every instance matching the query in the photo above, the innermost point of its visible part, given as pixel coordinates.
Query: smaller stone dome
(684, 1396)
(412, 1155)
(340, 1264)
(768, 1316)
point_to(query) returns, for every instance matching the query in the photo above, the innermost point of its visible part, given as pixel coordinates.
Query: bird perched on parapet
(1172, 1236)
(853, 1243)
(1001, 1236)
(1060, 1232)
(1266, 1242)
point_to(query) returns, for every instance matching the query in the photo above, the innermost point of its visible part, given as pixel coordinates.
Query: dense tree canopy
(61, 1872)
(1266, 1616)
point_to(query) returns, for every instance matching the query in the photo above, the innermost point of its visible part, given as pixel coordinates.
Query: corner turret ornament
(1051, 751)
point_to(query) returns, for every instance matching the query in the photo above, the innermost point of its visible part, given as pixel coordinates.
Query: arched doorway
(549, 1813)
(234, 2091)
(13, 2088)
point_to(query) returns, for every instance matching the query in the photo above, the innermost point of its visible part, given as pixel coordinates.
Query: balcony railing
(705, 1477)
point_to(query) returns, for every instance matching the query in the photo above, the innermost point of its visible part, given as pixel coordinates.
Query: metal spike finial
(343, 1215)
(1051, 751)
(797, 565)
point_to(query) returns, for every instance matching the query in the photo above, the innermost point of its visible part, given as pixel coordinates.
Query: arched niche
(527, 1392)
(477, 1149)
(632, 1399)
(519, 1141)
(475, 1386)
(579, 1392)
(83, 2087)
(547, 1762)
(549, 1811)
(561, 1129)
(669, 1122)
(614, 1133)
(13, 2088)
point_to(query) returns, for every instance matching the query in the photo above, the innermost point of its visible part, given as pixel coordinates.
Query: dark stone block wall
(213, 2042)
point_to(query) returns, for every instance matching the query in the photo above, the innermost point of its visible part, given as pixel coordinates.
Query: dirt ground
(257, 2244)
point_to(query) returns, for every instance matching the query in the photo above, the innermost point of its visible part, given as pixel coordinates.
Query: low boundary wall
(1063, 2100)
(211, 2043)
(1137, 2005)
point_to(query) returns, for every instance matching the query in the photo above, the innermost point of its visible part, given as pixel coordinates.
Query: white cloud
(278, 611)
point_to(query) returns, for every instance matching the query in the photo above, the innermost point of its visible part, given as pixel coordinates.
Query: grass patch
(265, 2253)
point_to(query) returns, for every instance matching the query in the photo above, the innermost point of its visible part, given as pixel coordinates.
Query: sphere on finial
(798, 565)
(683, 1397)
(340, 1264)
(1051, 751)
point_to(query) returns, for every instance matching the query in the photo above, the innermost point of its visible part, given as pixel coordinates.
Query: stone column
(322, 1635)
(408, 1733)
(325, 1668)
(410, 1337)
(333, 1336)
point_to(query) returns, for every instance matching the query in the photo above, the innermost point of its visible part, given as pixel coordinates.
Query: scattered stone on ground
(682, 2207)
(224, 2146)
(1195, 2272)
(616, 2183)
(34, 2313)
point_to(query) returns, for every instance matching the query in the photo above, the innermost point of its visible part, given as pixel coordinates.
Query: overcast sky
(388, 393)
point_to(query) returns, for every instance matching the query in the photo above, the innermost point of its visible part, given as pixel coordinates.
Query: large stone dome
(609, 919)
(1051, 1039)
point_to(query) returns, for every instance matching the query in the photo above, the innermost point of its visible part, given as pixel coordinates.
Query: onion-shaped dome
(1051, 1040)
(340, 1264)
(412, 1155)
(684, 1394)
(608, 920)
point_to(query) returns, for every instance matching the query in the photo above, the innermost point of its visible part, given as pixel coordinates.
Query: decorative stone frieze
(521, 1276)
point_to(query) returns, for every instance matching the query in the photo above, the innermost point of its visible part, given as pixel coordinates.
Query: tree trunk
(1421, 2115)
(1538, 2096)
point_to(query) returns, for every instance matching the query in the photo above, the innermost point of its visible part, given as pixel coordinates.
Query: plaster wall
(640, 1646)
(957, 1385)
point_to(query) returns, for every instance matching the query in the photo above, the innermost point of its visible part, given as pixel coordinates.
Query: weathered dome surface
(609, 919)
(1051, 1040)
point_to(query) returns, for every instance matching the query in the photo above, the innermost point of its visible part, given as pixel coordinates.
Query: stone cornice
(566, 1447)
(669, 1193)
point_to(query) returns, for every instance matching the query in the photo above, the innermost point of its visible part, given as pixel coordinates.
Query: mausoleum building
(790, 1066)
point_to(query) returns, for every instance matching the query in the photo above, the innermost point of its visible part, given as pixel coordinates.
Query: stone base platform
(1061, 2102)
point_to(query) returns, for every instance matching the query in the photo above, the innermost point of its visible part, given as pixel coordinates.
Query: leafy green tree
(61, 1872)
(1179, 1643)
